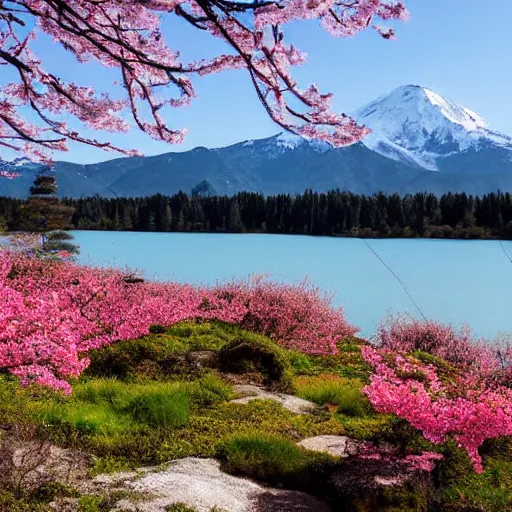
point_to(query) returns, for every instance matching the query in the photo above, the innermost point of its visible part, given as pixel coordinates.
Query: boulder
(292, 403)
(338, 446)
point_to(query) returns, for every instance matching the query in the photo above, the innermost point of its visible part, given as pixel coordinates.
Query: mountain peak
(414, 100)
(415, 124)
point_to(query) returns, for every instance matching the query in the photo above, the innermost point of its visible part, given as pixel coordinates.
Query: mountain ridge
(419, 139)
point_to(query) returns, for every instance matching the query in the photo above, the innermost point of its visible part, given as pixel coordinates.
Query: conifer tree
(46, 214)
(167, 218)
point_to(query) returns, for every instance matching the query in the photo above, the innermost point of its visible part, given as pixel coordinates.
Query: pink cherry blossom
(126, 35)
(52, 313)
(407, 334)
(466, 406)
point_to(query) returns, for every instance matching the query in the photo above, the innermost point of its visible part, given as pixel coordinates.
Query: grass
(110, 407)
(142, 403)
(331, 390)
(129, 424)
(490, 491)
(160, 408)
(348, 363)
(274, 460)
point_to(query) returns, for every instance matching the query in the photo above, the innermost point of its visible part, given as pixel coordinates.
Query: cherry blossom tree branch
(126, 35)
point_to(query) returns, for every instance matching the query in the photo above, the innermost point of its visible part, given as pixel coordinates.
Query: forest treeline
(334, 213)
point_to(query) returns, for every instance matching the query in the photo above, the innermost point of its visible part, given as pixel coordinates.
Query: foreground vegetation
(167, 396)
(102, 371)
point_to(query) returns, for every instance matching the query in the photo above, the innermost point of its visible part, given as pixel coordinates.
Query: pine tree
(151, 222)
(127, 220)
(167, 218)
(235, 220)
(46, 214)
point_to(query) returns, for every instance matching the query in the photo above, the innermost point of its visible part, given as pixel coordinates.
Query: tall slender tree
(46, 214)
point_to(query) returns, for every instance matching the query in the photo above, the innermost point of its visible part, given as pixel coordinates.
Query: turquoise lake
(451, 281)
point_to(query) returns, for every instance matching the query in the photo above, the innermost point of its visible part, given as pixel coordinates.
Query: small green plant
(334, 390)
(92, 503)
(275, 460)
(160, 408)
(208, 390)
(180, 507)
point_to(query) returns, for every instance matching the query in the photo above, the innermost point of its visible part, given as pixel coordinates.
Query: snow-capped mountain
(415, 125)
(415, 131)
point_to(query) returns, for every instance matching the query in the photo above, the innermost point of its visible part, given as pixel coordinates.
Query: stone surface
(201, 484)
(338, 446)
(292, 403)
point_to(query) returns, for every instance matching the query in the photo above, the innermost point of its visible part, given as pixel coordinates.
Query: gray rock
(338, 446)
(201, 484)
(292, 403)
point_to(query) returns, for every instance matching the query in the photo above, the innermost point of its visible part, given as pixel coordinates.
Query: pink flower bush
(407, 334)
(464, 405)
(52, 313)
(300, 316)
(424, 461)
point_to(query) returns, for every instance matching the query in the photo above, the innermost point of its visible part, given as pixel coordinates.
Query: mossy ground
(148, 401)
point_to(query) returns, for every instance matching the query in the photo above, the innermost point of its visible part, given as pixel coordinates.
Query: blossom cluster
(408, 334)
(424, 461)
(52, 313)
(462, 404)
(126, 35)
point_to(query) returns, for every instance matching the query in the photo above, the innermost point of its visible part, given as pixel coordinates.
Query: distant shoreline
(457, 216)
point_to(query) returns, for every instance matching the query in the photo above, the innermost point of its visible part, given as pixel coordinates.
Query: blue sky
(458, 48)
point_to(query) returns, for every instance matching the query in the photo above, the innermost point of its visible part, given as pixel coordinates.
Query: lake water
(451, 281)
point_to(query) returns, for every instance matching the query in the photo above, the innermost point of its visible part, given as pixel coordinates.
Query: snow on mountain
(415, 125)
(278, 144)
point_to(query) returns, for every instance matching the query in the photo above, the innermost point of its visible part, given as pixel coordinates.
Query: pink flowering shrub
(424, 461)
(300, 316)
(407, 334)
(52, 313)
(465, 405)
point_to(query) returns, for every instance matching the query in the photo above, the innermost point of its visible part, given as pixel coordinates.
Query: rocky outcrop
(201, 484)
(292, 403)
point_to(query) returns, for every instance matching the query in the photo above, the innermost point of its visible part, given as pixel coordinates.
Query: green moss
(91, 504)
(490, 491)
(150, 357)
(126, 422)
(347, 363)
(180, 507)
(204, 429)
(256, 354)
(9, 503)
(37, 500)
(275, 460)
(370, 427)
(163, 355)
(446, 372)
